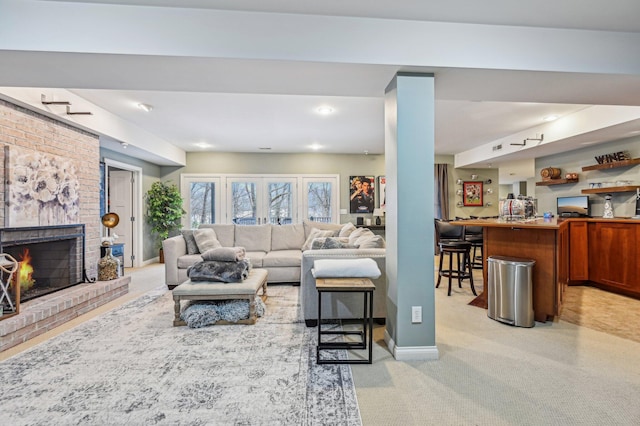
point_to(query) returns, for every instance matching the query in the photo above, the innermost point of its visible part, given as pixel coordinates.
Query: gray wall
(573, 161)
(484, 174)
(272, 163)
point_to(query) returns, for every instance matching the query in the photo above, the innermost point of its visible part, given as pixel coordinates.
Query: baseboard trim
(150, 261)
(411, 353)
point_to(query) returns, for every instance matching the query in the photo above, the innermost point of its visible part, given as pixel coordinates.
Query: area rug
(131, 366)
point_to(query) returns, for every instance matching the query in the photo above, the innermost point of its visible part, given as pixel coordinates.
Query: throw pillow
(192, 246)
(372, 242)
(367, 234)
(315, 233)
(357, 233)
(330, 243)
(346, 230)
(206, 239)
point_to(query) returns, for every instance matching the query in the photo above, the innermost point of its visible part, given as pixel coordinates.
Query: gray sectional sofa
(287, 252)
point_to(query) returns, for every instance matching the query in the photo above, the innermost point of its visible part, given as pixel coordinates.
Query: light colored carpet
(131, 366)
(494, 374)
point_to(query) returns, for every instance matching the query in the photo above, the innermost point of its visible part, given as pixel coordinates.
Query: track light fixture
(43, 99)
(69, 112)
(524, 142)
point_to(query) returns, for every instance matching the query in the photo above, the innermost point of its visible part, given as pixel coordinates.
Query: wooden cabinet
(578, 252)
(528, 243)
(563, 262)
(613, 256)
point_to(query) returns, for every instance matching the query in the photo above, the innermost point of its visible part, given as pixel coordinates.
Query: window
(259, 199)
(320, 206)
(201, 200)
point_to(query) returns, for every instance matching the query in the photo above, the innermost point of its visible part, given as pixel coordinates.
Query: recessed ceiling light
(145, 107)
(550, 118)
(324, 110)
(203, 145)
(315, 146)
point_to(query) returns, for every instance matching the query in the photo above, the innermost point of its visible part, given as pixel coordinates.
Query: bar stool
(463, 269)
(473, 234)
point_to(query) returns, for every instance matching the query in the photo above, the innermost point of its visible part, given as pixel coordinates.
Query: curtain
(442, 191)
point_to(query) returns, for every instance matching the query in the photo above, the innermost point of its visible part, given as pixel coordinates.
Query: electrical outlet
(416, 314)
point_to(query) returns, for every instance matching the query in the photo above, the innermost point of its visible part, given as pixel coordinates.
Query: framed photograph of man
(382, 191)
(472, 194)
(362, 194)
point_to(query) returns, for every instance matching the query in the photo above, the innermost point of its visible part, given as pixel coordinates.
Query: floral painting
(43, 189)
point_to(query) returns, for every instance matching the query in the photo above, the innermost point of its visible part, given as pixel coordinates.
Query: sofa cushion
(206, 239)
(253, 237)
(287, 237)
(330, 243)
(187, 260)
(315, 233)
(192, 246)
(282, 258)
(346, 229)
(225, 233)
(375, 241)
(309, 225)
(256, 257)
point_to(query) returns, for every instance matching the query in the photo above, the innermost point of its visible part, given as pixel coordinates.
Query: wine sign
(613, 157)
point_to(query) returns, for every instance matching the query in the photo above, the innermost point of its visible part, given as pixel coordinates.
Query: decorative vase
(378, 220)
(108, 266)
(608, 207)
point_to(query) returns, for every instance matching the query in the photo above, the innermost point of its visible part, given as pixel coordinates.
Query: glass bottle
(108, 266)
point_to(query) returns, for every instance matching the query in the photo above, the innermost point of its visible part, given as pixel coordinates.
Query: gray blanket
(225, 254)
(215, 271)
(204, 313)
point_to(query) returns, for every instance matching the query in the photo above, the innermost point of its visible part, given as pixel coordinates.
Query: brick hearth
(47, 312)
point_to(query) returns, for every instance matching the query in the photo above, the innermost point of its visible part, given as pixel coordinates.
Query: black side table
(347, 285)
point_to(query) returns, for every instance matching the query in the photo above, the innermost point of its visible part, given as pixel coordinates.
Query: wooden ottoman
(205, 290)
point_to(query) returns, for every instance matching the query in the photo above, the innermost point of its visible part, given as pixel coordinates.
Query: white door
(257, 201)
(121, 203)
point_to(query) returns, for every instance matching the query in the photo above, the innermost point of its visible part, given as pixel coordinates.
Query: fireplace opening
(50, 258)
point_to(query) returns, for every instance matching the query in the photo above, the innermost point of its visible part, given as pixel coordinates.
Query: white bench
(200, 290)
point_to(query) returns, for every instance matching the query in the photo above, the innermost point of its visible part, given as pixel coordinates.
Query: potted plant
(164, 211)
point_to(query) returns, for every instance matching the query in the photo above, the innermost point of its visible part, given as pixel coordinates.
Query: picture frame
(472, 192)
(382, 191)
(362, 198)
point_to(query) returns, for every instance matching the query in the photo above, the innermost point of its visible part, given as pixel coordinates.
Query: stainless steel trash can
(510, 293)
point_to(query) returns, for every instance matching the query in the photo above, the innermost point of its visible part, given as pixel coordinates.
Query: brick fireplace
(51, 257)
(64, 255)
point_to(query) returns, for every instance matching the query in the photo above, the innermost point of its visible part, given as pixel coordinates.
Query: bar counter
(593, 251)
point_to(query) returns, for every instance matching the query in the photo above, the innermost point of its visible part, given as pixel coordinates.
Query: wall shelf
(556, 182)
(612, 165)
(629, 188)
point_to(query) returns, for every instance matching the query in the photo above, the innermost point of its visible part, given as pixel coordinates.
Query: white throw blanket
(345, 268)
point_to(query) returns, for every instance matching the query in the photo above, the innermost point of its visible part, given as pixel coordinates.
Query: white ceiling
(245, 105)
